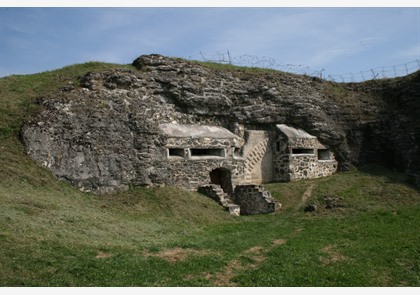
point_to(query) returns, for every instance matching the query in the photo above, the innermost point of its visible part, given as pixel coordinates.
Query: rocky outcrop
(400, 128)
(103, 134)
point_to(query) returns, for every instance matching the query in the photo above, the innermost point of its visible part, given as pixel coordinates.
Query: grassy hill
(52, 234)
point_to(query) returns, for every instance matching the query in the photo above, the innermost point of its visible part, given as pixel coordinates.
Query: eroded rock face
(103, 134)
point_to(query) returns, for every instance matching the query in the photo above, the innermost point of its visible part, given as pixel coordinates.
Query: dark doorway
(222, 177)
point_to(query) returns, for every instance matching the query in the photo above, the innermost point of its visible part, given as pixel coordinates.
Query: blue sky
(338, 40)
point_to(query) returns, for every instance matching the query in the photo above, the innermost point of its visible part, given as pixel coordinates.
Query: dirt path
(306, 195)
(255, 254)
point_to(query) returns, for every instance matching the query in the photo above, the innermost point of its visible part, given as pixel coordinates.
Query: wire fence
(269, 63)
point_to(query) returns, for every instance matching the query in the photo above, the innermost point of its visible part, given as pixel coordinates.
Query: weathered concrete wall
(95, 153)
(192, 172)
(298, 158)
(309, 167)
(258, 157)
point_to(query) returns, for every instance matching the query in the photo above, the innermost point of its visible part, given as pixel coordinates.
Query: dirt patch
(306, 196)
(297, 232)
(178, 254)
(254, 250)
(102, 255)
(308, 193)
(333, 255)
(256, 254)
(279, 242)
(223, 278)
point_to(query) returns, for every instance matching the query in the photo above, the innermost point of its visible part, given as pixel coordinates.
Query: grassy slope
(54, 235)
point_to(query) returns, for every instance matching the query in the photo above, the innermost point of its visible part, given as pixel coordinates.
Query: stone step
(255, 199)
(216, 193)
(234, 209)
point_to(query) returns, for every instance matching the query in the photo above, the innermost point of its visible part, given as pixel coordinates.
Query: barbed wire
(378, 73)
(270, 63)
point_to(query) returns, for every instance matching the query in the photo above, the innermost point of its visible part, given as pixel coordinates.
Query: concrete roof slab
(195, 131)
(292, 132)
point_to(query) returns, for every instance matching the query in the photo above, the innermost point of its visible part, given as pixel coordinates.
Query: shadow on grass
(391, 175)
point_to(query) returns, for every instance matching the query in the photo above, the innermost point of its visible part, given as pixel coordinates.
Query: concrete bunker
(197, 155)
(230, 169)
(300, 155)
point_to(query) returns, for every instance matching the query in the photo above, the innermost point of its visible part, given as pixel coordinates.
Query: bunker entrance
(222, 177)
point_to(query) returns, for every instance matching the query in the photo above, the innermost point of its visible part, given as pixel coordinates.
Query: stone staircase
(216, 193)
(248, 199)
(253, 157)
(255, 199)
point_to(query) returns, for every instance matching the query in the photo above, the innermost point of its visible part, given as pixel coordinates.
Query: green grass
(52, 234)
(230, 67)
